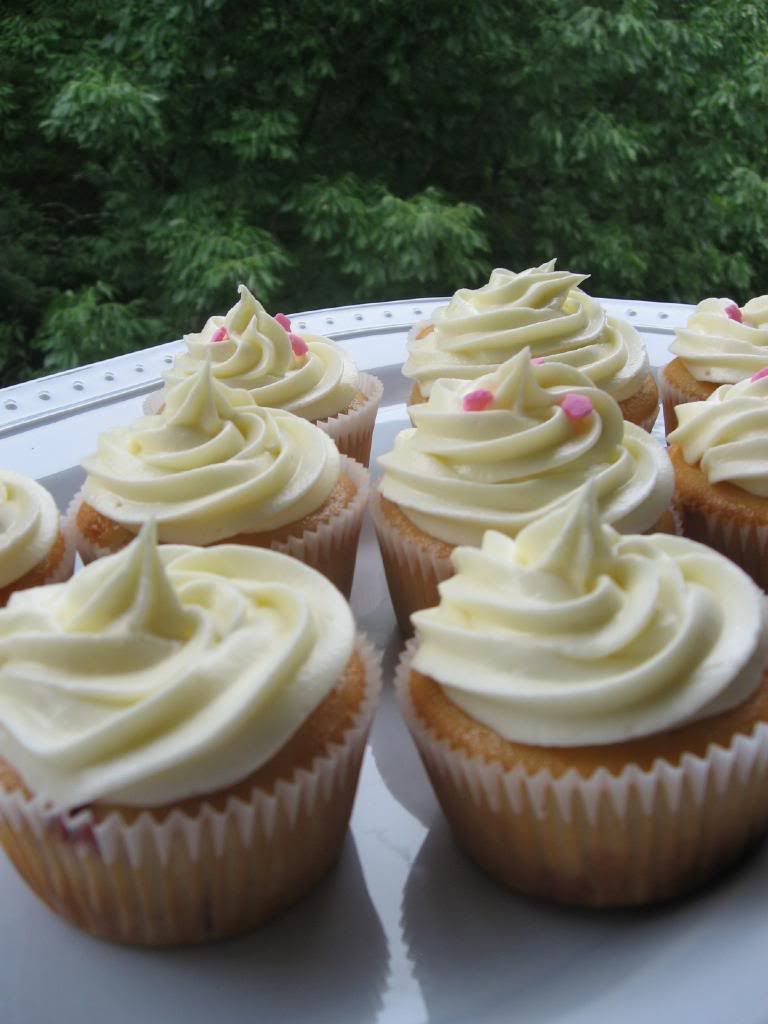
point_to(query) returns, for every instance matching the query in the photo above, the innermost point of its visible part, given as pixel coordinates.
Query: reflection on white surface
(324, 961)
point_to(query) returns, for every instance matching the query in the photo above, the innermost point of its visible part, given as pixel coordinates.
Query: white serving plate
(405, 929)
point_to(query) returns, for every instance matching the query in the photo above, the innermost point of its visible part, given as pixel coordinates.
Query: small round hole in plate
(44, 396)
(302, 327)
(139, 368)
(168, 359)
(631, 312)
(78, 385)
(329, 319)
(663, 316)
(11, 405)
(387, 314)
(417, 312)
(109, 376)
(358, 316)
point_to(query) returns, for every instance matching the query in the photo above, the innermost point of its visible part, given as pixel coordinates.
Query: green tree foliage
(155, 154)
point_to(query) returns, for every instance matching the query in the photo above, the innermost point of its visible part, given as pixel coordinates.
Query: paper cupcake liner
(608, 840)
(670, 397)
(66, 565)
(649, 421)
(746, 544)
(352, 432)
(184, 879)
(412, 573)
(331, 548)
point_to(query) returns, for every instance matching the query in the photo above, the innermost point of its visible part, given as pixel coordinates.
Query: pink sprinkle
(734, 313)
(576, 407)
(283, 320)
(538, 360)
(220, 335)
(299, 346)
(760, 374)
(477, 401)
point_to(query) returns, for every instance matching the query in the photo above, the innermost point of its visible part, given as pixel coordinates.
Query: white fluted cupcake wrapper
(670, 397)
(412, 572)
(746, 544)
(182, 879)
(648, 423)
(331, 548)
(642, 836)
(352, 432)
(67, 563)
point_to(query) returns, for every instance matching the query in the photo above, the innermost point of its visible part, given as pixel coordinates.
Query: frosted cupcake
(283, 368)
(543, 309)
(215, 467)
(498, 453)
(180, 738)
(591, 709)
(33, 548)
(720, 456)
(720, 344)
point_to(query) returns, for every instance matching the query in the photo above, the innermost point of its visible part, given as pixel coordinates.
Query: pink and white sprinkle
(299, 346)
(576, 407)
(477, 401)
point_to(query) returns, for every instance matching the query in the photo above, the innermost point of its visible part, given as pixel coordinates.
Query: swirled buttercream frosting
(722, 343)
(29, 525)
(574, 634)
(727, 435)
(541, 308)
(210, 466)
(157, 674)
(250, 349)
(459, 472)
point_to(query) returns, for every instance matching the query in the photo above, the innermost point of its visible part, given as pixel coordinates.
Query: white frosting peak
(29, 525)
(250, 349)
(159, 674)
(570, 542)
(720, 349)
(458, 472)
(211, 465)
(541, 308)
(574, 635)
(727, 435)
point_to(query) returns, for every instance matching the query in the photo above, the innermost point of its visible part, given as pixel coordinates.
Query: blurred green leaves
(156, 154)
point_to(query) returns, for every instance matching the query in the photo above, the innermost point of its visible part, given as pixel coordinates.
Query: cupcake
(543, 309)
(719, 452)
(181, 732)
(591, 709)
(498, 453)
(33, 548)
(720, 344)
(302, 373)
(214, 467)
